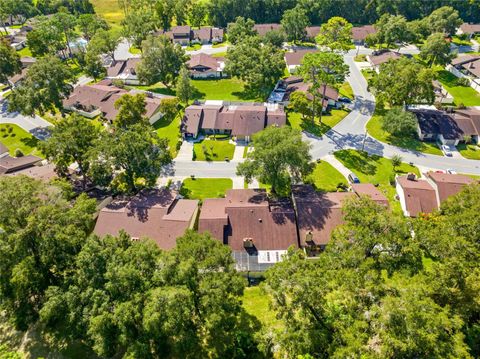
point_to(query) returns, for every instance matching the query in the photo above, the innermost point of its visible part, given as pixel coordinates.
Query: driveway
(34, 125)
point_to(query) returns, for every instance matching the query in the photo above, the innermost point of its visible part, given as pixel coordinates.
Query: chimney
(411, 176)
(247, 243)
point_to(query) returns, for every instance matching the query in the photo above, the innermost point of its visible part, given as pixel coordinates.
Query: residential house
(285, 87)
(360, 33)
(448, 128)
(125, 71)
(318, 213)
(99, 100)
(378, 58)
(10, 164)
(294, 59)
(262, 29)
(446, 184)
(424, 196)
(157, 214)
(16, 79)
(206, 66)
(181, 35)
(44, 172)
(258, 230)
(240, 120)
(18, 40)
(202, 36)
(467, 66)
(469, 29)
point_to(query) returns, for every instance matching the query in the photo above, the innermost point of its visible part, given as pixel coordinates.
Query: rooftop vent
(411, 176)
(248, 242)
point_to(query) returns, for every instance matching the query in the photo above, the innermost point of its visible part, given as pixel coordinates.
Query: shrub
(9, 129)
(460, 105)
(179, 144)
(2, 129)
(463, 81)
(18, 153)
(399, 122)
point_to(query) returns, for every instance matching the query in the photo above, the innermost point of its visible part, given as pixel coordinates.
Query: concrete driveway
(36, 125)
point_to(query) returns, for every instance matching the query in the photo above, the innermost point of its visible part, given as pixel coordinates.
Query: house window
(268, 257)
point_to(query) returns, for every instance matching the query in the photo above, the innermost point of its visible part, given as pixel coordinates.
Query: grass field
(19, 138)
(256, 303)
(223, 89)
(169, 129)
(110, 10)
(360, 58)
(376, 170)
(325, 177)
(374, 128)
(328, 121)
(213, 150)
(25, 52)
(201, 188)
(469, 151)
(346, 90)
(461, 94)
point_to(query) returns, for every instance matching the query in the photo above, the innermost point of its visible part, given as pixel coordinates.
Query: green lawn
(374, 128)
(469, 151)
(221, 44)
(213, 150)
(325, 177)
(169, 129)
(360, 58)
(458, 41)
(346, 90)
(256, 303)
(19, 138)
(110, 10)
(194, 47)
(223, 89)
(368, 74)
(220, 54)
(134, 50)
(201, 188)
(328, 121)
(376, 170)
(25, 52)
(461, 94)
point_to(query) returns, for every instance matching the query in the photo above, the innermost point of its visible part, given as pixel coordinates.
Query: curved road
(349, 133)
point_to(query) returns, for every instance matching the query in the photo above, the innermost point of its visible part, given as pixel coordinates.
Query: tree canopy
(294, 22)
(400, 122)
(436, 50)
(335, 34)
(9, 62)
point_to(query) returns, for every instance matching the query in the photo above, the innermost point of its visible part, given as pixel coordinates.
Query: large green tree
(138, 24)
(47, 83)
(41, 234)
(294, 22)
(161, 61)
(259, 65)
(103, 42)
(322, 69)
(400, 122)
(240, 29)
(403, 82)
(184, 88)
(445, 20)
(335, 34)
(9, 62)
(391, 30)
(436, 50)
(128, 297)
(89, 24)
(131, 110)
(279, 154)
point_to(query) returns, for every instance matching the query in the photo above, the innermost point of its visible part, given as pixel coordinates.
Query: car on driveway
(344, 99)
(352, 178)
(446, 150)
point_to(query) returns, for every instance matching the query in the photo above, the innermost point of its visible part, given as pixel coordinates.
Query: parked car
(344, 99)
(352, 178)
(446, 151)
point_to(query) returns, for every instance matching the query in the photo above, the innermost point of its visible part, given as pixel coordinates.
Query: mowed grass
(20, 139)
(213, 150)
(222, 89)
(169, 129)
(461, 94)
(325, 177)
(256, 303)
(110, 10)
(329, 120)
(376, 170)
(346, 90)
(201, 188)
(374, 128)
(471, 152)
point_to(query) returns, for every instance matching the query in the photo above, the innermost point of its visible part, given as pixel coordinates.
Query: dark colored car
(352, 178)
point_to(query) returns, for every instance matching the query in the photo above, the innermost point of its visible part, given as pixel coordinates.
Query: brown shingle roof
(271, 226)
(462, 59)
(180, 31)
(155, 214)
(360, 33)
(473, 67)
(43, 173)
(262, 29)
(203, 60)
(10, 164)
(384, 57)
(192, 118)
(123, 67)
(368, 189)
(419, 196)
(318, 214)
(202, 34)
(312, 31)
(448, 184)
(470, 28)
(295, 58)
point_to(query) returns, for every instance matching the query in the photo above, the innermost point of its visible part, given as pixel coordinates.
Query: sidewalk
(337, 164)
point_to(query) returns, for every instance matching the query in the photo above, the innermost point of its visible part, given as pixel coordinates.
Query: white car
(446, 151)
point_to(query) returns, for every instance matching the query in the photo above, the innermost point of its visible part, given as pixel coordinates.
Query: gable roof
(419, 196)
(448, 184)
(247, 214)
(383, 57)
(470, 28)
(368, 189)
(262, 29)
(202, 34)
(155, 214)
(43, 173)
(125, 67)
(203, 60)
(312, 31)
(10, 164)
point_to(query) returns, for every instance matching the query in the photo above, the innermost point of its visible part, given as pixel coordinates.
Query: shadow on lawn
(30, 141)
(358, 161)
